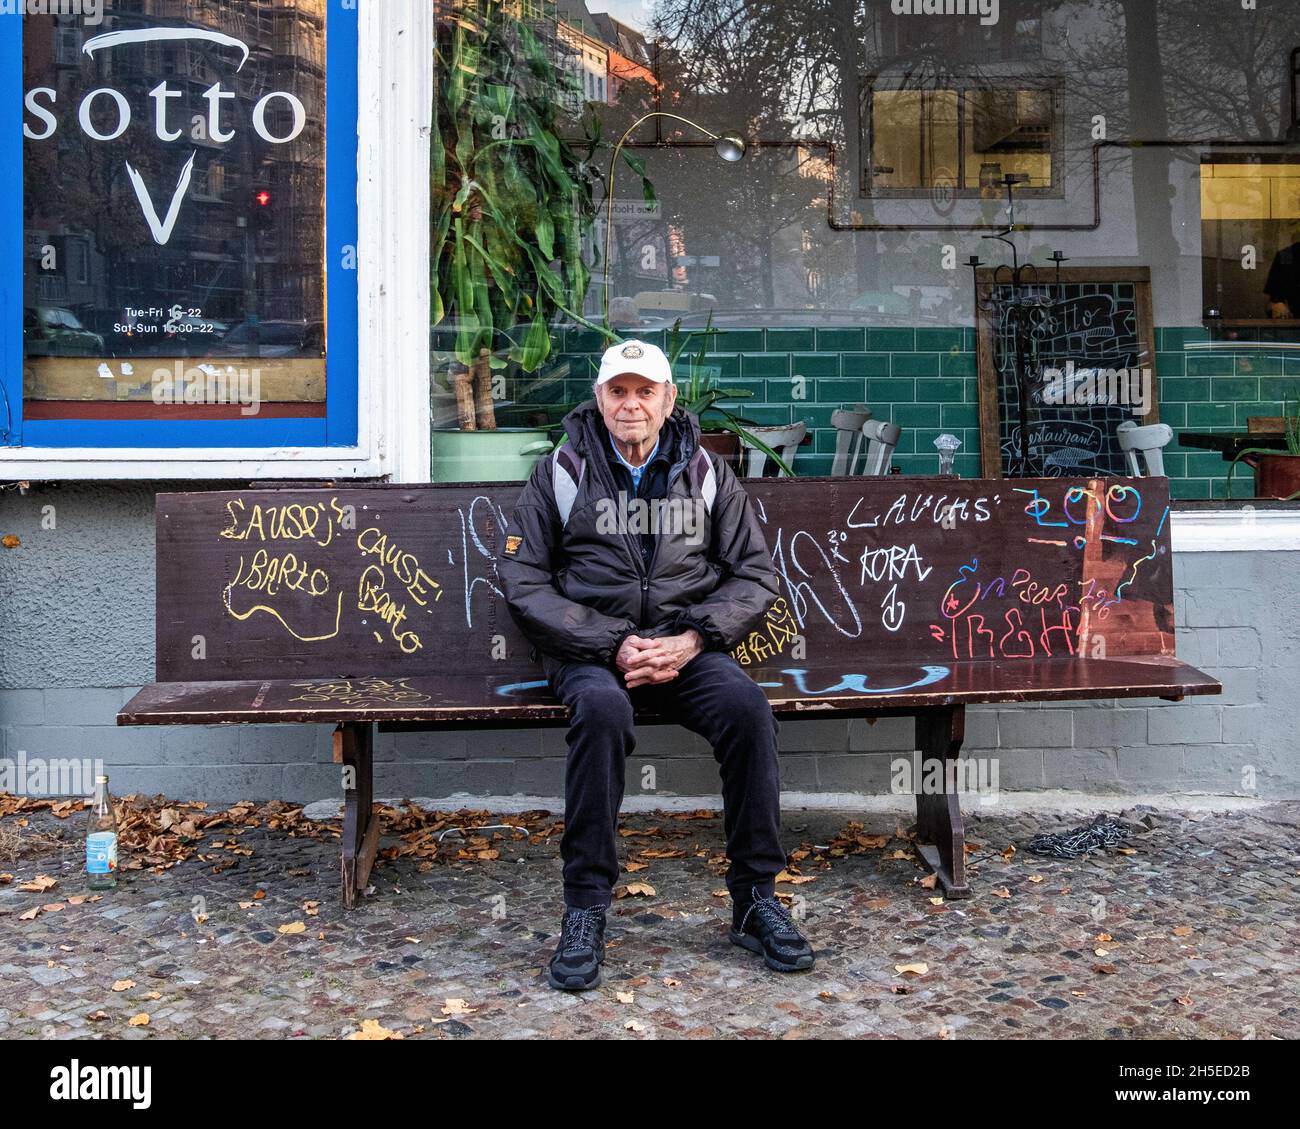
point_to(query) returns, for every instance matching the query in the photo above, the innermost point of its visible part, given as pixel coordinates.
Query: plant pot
(724, 443)
(507, 454)
(1277, 476)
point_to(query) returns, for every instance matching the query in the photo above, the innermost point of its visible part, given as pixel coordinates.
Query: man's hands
(648, 661)
(1279, 310)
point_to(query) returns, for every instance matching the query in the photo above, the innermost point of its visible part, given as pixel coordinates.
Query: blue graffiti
(514, 687)
(858, 682)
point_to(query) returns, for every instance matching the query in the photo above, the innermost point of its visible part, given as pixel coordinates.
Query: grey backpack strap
(703, 475)
(567, 468)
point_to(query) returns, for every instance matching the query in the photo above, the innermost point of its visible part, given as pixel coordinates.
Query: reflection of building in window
(1250, 219)
(961, 134)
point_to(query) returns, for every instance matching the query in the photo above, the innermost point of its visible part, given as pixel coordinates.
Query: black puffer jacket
(577, 592)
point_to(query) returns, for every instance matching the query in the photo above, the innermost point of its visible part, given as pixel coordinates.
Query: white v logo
(162, 229)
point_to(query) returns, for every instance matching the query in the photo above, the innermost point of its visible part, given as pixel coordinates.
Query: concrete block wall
(76, 640)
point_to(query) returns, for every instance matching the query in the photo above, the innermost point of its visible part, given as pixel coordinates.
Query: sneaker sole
(573, 983)
(754, 945)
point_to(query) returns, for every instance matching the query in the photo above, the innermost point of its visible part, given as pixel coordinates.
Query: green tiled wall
(925, 381)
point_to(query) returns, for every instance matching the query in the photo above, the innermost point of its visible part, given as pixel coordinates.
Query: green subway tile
(839, 341)
(939, 340)
(1206, 464)
(783, 391)
(816, 364)
(1260, 364)
(942, 391)
(1175, 415)
(969, 339)
(1175, 465)
(1243, 486)
(889, 392)
(1184, 390)
(916, 415)
(824, 440)
(765, 415)
(906, 442)
(1292, 366)
(891, 340)
(754, 365)
(817, 416)
(1235, 388)
(958, 364)
(865, 364)
(967, 466)
(915, 364)
(735, 341)
(727, 364)
(1247, 409)
(789, 340)
(959, 416)
(813, 466)
(1205, 415)
(1211, 364)
(1187, 489)
(1171, 365)
(841, 391)
(1173, 338)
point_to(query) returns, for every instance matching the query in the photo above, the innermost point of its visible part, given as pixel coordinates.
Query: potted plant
(703, 394)
(1277, 473)
(511, 204)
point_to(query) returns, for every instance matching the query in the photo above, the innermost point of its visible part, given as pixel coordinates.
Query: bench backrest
(385, 581)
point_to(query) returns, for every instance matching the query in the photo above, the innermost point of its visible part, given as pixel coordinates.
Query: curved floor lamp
(729, 146)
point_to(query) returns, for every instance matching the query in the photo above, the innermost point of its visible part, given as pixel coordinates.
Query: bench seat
(447, 701)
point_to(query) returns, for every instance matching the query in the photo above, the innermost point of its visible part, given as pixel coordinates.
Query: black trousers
(711, 696)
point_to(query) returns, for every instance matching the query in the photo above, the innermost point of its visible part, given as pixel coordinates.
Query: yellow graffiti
(769, 639)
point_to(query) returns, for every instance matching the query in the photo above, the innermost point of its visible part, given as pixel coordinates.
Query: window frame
(373, 417)
(961, 84)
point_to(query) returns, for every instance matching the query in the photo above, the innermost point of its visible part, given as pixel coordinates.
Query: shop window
(186, 266)
(963, 136)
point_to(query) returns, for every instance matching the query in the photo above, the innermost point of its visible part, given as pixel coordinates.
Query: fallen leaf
(899, 855)
(141, 1020)
(5, 879)
(936, 901)
(634, 1026)
(1183, 931)
(1035, 878)
(489, 856)
(1103, 937)
(76, 899)
(1108, 969)
(1126, 850)
(877, 903)
(258, 895)
(1009, 853)
(373, 1029)
(1101, 952)
(1001, 892)
(152, 996)
(413, 940)
(311, 909)
(928, 882)
(53, 907)
(293, 927)
(246, 905)
(669, 982)
(1186, 1001)
(123, 985)
(9, 541)
(625, 997)
(1081, 995)
(633, 867)
(919, 968)
(457, 1007)
(97, 1016)
(635, 890)
(39, 884)
(30, 915)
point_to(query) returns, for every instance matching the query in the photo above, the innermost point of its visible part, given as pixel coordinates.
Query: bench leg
(354, 749)
(940, 834)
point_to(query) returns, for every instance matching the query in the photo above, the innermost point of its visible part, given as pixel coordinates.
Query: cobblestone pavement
(1196, 934)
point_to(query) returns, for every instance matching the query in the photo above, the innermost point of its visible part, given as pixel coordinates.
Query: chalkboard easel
(1100, 318)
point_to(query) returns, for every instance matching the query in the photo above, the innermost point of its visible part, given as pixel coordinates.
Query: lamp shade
(730, 147)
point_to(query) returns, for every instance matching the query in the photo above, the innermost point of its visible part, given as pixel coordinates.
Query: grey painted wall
(76, 641)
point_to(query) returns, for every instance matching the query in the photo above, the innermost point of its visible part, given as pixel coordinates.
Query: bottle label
(101, 852)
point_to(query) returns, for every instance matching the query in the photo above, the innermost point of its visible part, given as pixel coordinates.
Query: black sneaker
(576, 963)
(763, 926)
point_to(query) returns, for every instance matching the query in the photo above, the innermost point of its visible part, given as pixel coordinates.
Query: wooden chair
(1148, 441)
(785, 441)
(882, 438)
(849, 438)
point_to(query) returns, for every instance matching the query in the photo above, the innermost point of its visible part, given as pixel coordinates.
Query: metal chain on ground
(1097, 836)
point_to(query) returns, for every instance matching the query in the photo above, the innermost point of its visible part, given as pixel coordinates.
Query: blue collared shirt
(636, 471)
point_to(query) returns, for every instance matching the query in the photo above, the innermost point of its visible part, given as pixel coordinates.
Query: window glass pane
(174, 181)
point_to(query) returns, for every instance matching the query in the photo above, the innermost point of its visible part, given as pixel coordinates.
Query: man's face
(635, 408)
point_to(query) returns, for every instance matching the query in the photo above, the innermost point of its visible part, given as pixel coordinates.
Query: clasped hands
(649, 661)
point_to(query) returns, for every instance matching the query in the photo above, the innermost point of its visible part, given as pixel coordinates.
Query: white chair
(1148, 441)
(849, 438)
(882, 438)
(785, 441)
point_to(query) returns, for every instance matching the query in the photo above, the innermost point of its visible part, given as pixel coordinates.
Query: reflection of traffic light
(261, 210)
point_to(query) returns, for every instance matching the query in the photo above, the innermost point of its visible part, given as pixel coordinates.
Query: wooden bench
(371, 605)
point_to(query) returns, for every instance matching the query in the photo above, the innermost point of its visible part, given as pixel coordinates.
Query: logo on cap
(631, 351)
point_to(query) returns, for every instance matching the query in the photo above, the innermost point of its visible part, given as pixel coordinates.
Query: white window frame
(395, 83)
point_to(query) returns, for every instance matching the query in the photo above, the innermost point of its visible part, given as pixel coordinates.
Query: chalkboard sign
(381, 583)
(1094, 367)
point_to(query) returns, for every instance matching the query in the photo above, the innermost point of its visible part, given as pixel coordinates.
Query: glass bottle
(101, 839)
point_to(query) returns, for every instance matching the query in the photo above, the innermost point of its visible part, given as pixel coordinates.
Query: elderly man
(634, 563)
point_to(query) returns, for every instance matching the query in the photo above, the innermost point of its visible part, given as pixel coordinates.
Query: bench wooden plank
(484, 702)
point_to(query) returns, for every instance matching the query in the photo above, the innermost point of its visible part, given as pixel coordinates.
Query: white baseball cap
(634, 358)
